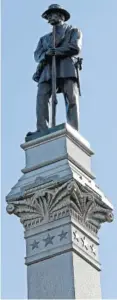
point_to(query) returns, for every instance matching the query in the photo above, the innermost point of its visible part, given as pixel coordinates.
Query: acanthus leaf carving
(89, 208)
(41, 205)
(67, 197)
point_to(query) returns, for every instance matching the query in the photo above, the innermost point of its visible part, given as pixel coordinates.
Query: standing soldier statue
(58, 68)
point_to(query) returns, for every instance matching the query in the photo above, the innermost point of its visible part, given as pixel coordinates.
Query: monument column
(57, 199)
(61, 209)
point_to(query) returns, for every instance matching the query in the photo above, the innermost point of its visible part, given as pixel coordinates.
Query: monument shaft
(61, 209)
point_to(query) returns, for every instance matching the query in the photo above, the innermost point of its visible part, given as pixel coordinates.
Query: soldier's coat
(68, 43)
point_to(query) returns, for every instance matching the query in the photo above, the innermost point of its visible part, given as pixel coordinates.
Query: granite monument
(57, 200)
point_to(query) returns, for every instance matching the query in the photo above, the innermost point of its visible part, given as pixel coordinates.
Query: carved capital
(90, 208)
(69, 198)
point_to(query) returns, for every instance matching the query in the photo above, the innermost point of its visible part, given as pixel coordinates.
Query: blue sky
(21, 28)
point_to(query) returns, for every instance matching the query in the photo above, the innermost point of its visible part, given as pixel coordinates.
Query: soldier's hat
(56, 8)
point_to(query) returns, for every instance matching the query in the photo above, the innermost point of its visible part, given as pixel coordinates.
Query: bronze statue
(58, 50)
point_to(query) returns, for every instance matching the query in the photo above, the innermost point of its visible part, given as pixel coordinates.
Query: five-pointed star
(76, 236)
(93, 250)
(35, 244)
(85, 244)
(48, 240)
(63, 235)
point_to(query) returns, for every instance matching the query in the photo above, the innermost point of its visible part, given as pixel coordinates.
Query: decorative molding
(53, 135)
(69, 198)
(80, 142)
(44, 182)
(60, 131)
(44, 164)
(56, 238)
(81, 168)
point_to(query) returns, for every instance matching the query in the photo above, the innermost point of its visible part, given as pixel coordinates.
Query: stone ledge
(53, 133)
(64, 249)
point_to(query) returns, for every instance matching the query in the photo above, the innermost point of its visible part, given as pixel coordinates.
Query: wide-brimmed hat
(56, 8)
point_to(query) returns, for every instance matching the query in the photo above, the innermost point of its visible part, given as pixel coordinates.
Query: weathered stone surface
(61, 209)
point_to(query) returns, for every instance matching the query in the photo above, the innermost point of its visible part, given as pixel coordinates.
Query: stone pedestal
(61, 209)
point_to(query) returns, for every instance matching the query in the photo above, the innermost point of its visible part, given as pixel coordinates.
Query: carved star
(63, 235)
(93, 250)
(76, 236)
(48, 240)
(84, 243)
(34, 244)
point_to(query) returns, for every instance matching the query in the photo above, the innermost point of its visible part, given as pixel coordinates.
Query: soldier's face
(55, 18)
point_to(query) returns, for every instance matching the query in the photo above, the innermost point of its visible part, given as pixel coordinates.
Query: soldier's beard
(54, 21)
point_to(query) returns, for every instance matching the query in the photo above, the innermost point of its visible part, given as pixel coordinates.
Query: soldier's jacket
(68, 43)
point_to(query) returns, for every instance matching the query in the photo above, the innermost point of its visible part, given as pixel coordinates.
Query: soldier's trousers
(69, 89)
